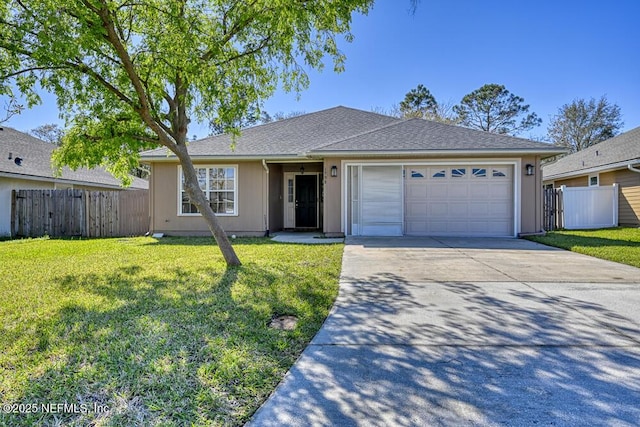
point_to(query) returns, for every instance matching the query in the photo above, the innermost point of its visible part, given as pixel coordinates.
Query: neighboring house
(352, 172)
(25, 164)
(616, 160)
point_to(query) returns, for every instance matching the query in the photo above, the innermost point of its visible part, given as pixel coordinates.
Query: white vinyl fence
(589, 207)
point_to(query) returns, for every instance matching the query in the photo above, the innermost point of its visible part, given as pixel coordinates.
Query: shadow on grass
(191, 347)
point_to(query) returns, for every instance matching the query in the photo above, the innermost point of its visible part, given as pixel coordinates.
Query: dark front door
(306, 201)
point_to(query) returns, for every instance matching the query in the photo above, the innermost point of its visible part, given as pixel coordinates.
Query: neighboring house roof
(35, 163)
(614, 153)
(342, 130)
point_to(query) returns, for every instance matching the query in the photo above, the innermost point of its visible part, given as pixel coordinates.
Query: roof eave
(61, 180)
(355, 153)
(396, 153)
(268, 157)
(594, 169)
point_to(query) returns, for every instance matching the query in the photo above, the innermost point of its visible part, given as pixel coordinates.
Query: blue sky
(548, 52)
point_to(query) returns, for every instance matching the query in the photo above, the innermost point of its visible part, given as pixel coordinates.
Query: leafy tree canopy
(132, 75)
(581, 124)
(492, 108)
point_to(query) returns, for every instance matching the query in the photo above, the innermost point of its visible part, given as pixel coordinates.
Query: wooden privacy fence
(552, 205)
(66, 213)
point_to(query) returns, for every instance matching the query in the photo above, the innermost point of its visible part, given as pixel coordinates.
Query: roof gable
(619, 149)
(35, 163)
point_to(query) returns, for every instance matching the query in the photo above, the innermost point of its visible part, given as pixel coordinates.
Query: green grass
(615, 244)
(159, 332)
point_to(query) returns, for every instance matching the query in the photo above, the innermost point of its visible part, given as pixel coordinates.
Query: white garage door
(463, 200)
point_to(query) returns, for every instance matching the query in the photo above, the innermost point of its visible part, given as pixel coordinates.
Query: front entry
(306, 204)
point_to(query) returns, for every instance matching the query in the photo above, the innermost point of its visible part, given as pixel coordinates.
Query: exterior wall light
(302, 170)
(334, 171)
(530, 169)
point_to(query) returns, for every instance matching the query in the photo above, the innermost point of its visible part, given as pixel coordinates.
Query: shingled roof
(289, 137)
(341, 130)
(614, 153)
(418, 135)
(35, 163)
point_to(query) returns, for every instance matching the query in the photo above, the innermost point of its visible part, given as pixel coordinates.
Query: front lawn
(140, 331)
(615, 244)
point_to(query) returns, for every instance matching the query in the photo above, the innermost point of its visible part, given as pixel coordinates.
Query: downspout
(266, 192)
(632, 169)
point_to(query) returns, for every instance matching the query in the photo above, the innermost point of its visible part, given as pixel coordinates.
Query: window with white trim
(219, 185)
(594, 180)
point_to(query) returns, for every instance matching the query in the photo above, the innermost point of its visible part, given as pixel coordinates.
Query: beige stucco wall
(252, 198)
(276, 195)
(332, 198)
(531, 197)
(251, 202)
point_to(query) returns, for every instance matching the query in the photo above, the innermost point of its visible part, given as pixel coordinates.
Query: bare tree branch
(11, 108)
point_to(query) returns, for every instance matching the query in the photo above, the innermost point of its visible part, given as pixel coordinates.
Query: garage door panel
(479, 209)
(437, 226)
(500, 190)
(416, 192)
(499, 228)
(458, 227)
(418, 209)
(458, 191)
(437, 210)
(416, 227)
(477, 227)
(500, 210)
(463, 200)
(437, 191)
(458, 210)
(480, 192)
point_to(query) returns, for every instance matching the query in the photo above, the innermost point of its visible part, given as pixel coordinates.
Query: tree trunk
(198, 198)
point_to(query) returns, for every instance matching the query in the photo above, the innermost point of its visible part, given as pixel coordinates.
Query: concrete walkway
(307, 238)
(456, 332)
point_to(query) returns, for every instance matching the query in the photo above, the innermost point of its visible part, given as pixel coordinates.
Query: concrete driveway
(469, 332)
